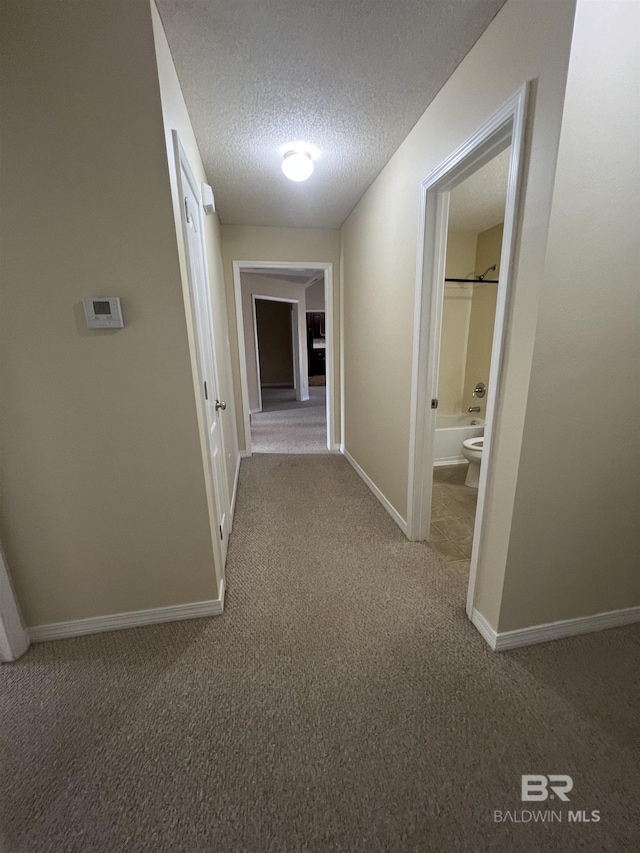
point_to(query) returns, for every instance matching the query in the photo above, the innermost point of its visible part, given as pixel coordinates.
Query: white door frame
(506, 127)
(217, 488)
(295, 340)
(14, 637)
(327, 268)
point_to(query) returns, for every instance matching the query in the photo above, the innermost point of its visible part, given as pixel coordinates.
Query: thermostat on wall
(103, 312)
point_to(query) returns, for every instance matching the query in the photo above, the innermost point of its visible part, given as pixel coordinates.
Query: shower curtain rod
(475, 280)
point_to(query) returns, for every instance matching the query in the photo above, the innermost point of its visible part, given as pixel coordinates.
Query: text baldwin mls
(546, 816)
(538, 787)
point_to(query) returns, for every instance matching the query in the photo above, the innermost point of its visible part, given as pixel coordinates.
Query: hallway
(286, 425)
(341, 703)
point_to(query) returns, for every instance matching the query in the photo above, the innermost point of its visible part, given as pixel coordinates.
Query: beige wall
(176, 117)
(525, 41)
(274, 324)
(456, 314)
(104, 507)
(252, 283)
(482, 319)
(315, 297)
(257, 243)
(575, 539)
(488, 249)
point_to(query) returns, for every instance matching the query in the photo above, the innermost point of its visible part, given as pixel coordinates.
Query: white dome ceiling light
(297, 164)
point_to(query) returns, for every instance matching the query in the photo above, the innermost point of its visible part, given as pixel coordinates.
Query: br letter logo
(537, 787)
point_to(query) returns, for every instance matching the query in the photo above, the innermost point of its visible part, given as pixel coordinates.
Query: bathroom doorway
(472, 270)
(501, 139)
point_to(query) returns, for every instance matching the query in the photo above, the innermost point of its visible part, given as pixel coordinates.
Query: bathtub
(451, 431)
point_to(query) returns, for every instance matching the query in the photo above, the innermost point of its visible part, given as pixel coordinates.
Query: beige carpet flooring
(286, 425)
(342, 703)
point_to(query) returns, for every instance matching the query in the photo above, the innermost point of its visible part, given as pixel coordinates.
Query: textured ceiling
(348, 76)
(478, 203)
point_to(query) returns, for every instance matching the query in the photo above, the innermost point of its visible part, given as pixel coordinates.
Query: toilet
(472, 450)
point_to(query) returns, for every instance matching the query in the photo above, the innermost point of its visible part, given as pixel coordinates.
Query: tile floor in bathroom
(453, 513)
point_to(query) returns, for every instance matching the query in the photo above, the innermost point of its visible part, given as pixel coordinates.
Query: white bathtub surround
(451, 431)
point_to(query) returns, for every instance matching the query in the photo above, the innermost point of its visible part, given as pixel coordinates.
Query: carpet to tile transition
(343, 702)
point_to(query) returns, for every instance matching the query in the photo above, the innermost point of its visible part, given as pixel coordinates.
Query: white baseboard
(501, 641)
(336, 448)
(489, 634)
(450, 460)
(255, 411)
(393, 512)
(244, 454)
(132, 619)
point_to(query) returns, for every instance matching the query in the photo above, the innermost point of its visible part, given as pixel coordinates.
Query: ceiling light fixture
(297, 165)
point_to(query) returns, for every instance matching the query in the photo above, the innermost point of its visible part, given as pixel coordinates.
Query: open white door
(212, 406)
(14, 638)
